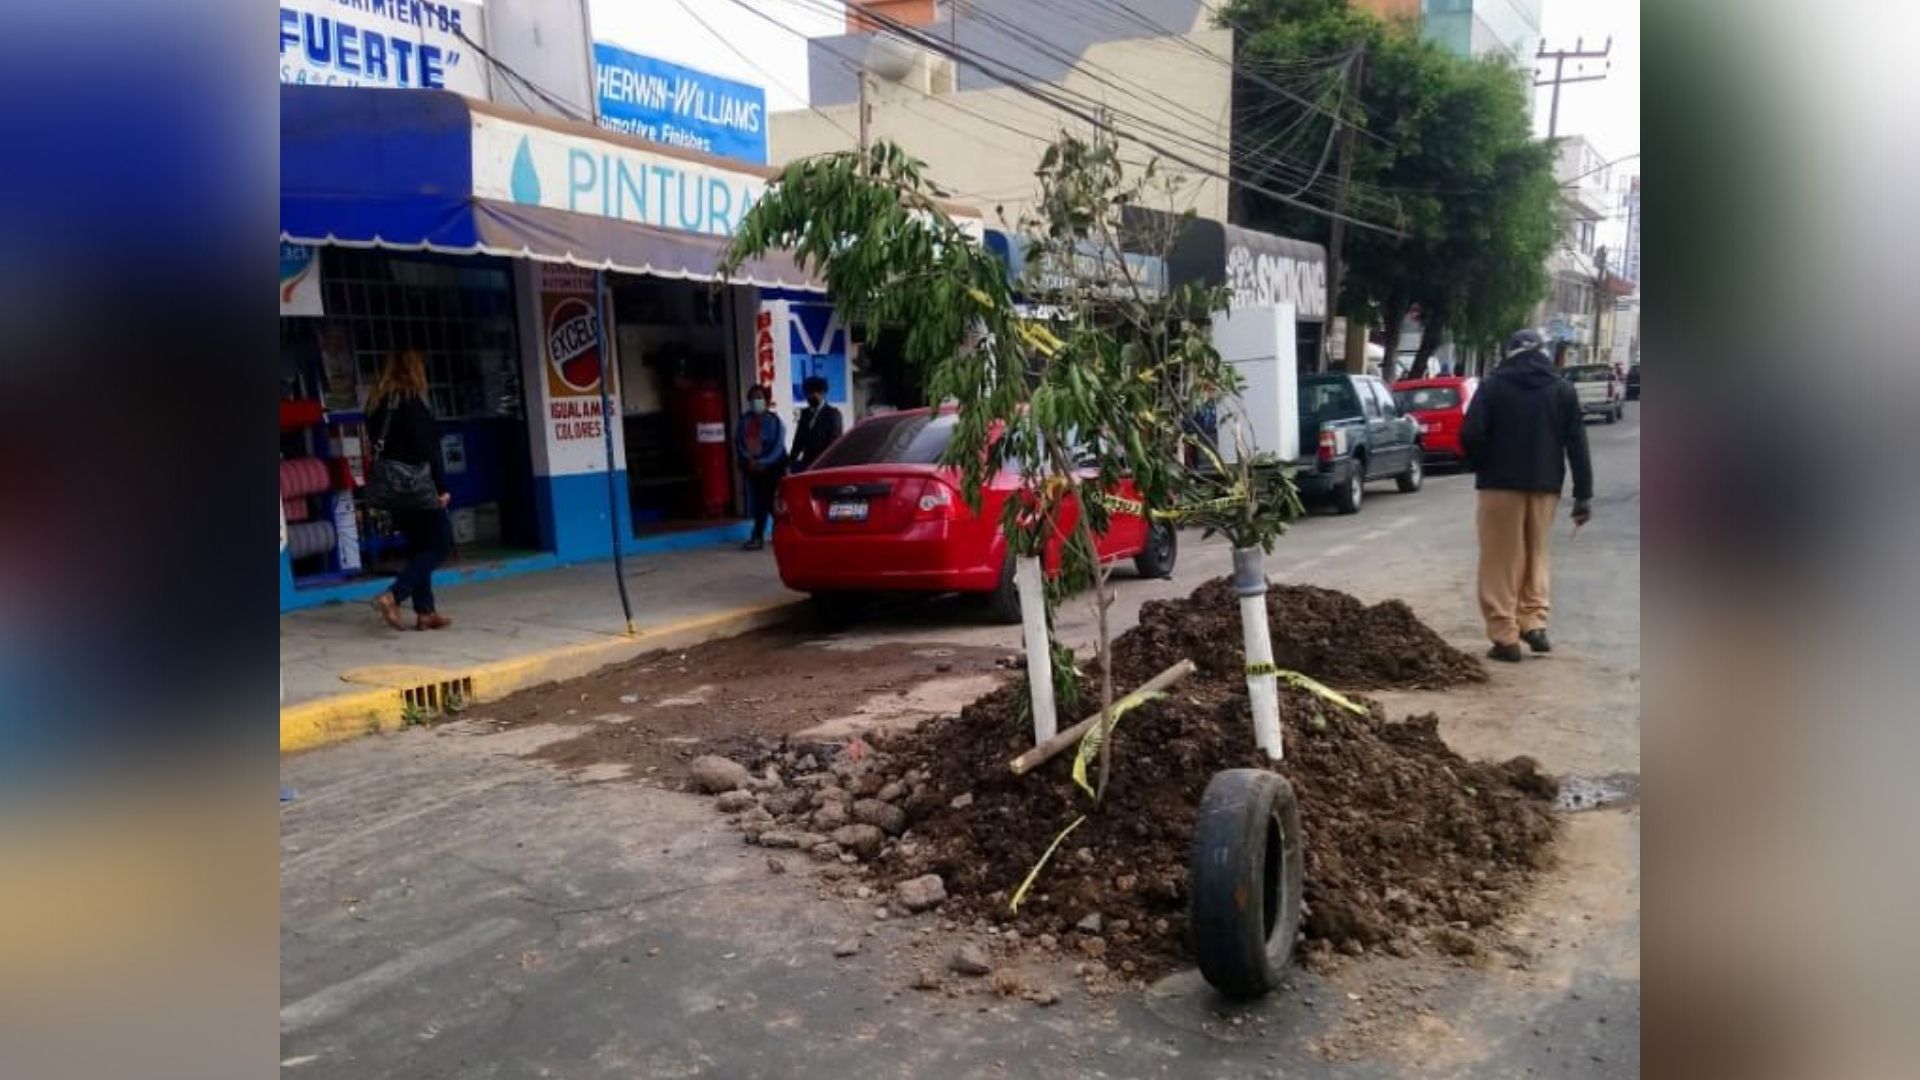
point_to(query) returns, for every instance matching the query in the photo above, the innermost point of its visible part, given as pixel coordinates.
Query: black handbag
(398, 485)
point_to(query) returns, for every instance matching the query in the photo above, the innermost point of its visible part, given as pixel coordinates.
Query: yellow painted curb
(363, 712)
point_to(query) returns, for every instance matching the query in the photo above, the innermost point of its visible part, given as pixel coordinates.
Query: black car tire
(1410, 481)
(1161, 552)
(1245, 875)
(1351, 493)
(1003, 603)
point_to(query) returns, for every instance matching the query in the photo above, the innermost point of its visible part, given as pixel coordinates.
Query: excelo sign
(570, 355)
(393, 43)
(536, 166)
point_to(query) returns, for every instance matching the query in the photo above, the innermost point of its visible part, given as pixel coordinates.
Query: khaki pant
(1514, 527)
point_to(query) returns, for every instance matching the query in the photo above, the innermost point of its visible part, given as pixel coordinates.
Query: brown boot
(432, 620)
(389, 610)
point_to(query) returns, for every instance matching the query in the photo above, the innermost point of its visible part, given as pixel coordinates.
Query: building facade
(1572, 312)
(981, 138)
(1509, 28)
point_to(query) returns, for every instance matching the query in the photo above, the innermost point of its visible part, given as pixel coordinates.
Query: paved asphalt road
(449, 909)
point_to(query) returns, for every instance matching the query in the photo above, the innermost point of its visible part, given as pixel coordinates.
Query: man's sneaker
(1537, 640)
(1510, 652)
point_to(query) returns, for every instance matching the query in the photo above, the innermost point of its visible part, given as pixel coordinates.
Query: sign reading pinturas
(537, 166)
(679, 106)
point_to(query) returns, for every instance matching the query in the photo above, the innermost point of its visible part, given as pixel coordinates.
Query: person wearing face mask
(760, 442)
(818, 426)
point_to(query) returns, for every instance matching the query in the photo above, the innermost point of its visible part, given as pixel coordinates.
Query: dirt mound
(1327, 634)
(1408, 844)
(1404, 837)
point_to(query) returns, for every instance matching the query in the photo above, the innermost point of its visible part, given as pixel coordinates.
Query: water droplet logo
(525, 179)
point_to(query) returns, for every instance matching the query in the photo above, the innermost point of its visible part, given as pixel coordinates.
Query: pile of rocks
(843, 810)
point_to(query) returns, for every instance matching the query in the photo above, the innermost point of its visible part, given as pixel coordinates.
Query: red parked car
(1439, 405)
(880, 514)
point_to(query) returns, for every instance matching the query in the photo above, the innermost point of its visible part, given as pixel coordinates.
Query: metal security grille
(458, 312)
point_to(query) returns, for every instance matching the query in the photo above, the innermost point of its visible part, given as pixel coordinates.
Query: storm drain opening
(448, 695)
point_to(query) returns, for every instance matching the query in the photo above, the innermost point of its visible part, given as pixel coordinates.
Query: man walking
(1521, 432)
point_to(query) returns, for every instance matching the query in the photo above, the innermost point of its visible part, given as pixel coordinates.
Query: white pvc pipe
(1263, 685)
(1028, 580)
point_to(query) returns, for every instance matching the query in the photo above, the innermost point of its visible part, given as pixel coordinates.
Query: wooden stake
(1043, 753)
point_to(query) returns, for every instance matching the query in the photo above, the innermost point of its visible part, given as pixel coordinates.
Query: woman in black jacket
(411, 435)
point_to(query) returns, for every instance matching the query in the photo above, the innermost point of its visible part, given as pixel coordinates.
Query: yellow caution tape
(1021, 893)
(1322, 690)
(1090, 742)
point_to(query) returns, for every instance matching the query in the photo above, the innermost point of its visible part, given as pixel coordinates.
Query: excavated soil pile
(1326, 634)
(1408, 844)
(1404, 837)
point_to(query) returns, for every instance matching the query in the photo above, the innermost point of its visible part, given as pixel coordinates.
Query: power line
(552, 102)
(993, 65)
(1064, 101)
(750, 62)
(1025, 83)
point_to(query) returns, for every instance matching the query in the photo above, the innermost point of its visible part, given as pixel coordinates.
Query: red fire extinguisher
(712, 463)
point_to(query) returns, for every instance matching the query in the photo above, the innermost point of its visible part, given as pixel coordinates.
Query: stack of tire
(299, 479)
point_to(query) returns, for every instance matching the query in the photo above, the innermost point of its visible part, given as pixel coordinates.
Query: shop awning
(427, 170)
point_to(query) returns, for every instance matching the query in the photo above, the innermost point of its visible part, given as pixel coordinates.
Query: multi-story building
(1161, 66)
(1509, 28)
(1569, 315)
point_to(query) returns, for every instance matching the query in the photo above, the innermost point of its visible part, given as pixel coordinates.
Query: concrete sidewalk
(346, 673)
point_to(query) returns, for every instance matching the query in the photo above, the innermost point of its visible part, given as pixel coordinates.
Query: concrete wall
(983, 144)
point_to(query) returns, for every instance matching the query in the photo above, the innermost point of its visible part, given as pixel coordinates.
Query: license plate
(846, 511)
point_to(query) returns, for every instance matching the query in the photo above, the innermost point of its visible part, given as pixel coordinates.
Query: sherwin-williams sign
(678, 106)
(537, 166)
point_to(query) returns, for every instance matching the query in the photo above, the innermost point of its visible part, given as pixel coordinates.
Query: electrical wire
(552, 102)
(768, 75)
(1088, 111)
(973, 57)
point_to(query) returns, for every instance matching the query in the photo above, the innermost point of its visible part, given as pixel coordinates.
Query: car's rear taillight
(938, 502)
(1333, 443)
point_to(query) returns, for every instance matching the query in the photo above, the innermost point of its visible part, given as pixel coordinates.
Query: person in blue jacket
(760, 441)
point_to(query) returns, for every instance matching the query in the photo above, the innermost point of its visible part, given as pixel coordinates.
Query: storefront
(499, 245)
(1258, 270)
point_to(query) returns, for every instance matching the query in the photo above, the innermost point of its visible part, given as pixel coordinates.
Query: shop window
(460, 316)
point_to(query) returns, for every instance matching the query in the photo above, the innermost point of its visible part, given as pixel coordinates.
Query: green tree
(1098, 389)
(1451, 162)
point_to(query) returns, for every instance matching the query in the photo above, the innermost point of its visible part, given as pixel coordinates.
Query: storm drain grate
(433, 697)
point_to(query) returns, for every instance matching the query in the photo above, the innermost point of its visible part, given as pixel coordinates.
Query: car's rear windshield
(903, 439)
(1328, 398)
(1589, 373)
(1427, 398)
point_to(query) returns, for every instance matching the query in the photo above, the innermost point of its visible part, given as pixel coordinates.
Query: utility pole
(1337, 240)
(1600, 299)
(866, 115)
(1560, 78)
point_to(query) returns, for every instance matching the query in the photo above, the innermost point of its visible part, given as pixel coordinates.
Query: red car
(1439, 406)
(880, 514)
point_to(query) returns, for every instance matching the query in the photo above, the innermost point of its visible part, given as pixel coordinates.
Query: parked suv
(1600, 391)
(1358, 434)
